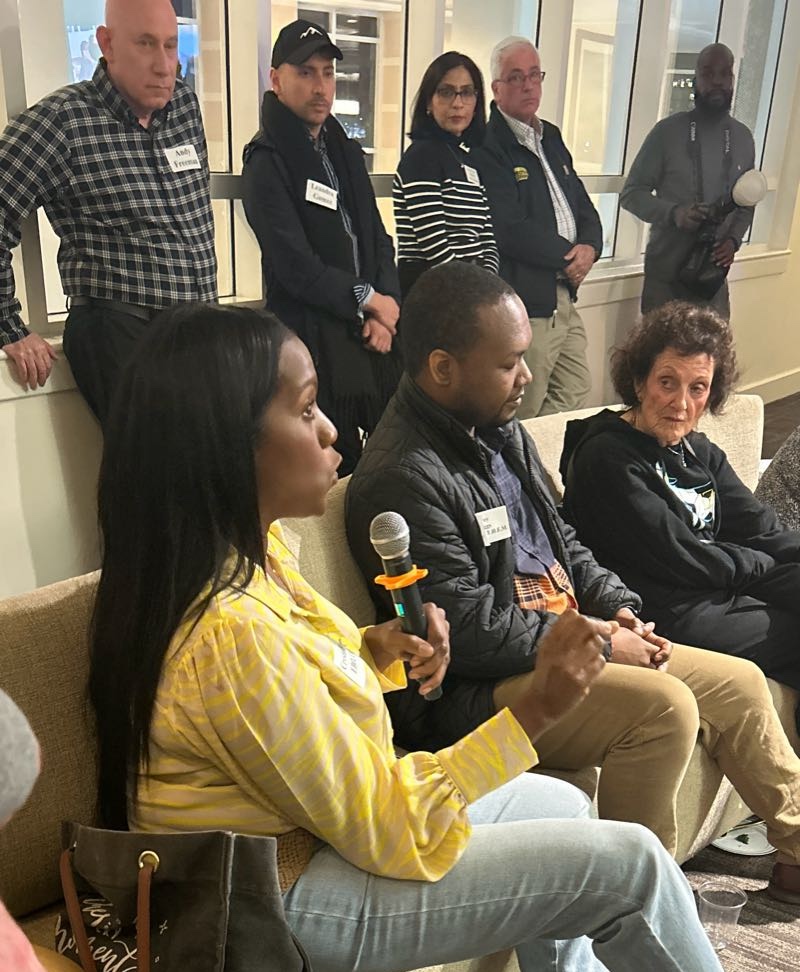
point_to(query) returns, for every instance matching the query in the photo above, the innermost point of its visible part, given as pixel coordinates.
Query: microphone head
(750, 188)
(388, 534)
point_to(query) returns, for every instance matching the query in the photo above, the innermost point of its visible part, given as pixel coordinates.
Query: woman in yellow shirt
(230, 695)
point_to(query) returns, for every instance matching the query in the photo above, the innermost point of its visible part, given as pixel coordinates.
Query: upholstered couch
(43, 666)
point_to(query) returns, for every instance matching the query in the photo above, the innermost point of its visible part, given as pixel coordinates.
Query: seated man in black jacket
(450, 456)
(328, 262)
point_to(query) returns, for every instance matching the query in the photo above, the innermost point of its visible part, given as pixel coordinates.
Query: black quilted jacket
(423, 464)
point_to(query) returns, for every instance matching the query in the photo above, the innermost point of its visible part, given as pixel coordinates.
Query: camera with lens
(699, 273)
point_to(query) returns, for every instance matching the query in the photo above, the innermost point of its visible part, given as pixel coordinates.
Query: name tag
(353, 665)
(321, 195)
(472, 175)
(494, 525)
(182, 158)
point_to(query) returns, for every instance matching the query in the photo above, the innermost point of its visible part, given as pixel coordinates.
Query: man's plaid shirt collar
(530, 136)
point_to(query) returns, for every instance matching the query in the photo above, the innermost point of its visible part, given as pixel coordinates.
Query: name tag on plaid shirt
(494, 525)
(182, 158)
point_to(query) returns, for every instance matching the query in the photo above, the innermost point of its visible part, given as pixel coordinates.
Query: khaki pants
(557, 360)
(641, 727)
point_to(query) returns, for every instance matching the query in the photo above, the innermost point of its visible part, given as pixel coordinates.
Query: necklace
(679, 451)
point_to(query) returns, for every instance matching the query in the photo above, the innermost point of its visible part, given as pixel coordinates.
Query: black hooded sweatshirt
(674, 533)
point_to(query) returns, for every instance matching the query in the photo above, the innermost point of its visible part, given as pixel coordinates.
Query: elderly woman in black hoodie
(660, 504)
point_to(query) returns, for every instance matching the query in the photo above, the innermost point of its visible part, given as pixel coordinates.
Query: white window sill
(608, 282)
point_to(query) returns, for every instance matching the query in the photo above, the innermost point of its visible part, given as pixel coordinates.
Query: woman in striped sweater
(440, 207)
(231, 696)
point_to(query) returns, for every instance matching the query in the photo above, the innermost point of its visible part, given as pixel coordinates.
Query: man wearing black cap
(328, 262)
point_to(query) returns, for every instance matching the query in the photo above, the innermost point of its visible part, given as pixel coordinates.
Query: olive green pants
(557, 361)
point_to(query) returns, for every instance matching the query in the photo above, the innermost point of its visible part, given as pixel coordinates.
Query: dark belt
(143, 313)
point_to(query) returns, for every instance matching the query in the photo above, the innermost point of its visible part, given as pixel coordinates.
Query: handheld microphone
(389, 535)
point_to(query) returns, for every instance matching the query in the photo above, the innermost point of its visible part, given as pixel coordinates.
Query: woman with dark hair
(440, 206)
(660, 505)
(230, 695)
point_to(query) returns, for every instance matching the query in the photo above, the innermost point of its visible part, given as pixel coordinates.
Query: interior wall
(50, 446)
(766, 317)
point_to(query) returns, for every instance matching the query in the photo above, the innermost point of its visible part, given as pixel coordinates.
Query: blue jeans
(523, 881)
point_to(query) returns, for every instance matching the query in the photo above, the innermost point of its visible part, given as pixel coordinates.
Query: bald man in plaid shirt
(120, 165)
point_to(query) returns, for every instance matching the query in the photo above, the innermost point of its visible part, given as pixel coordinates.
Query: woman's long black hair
(436, 70)
(178, 510)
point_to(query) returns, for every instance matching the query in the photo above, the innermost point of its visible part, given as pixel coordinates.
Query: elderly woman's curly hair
(686, 329)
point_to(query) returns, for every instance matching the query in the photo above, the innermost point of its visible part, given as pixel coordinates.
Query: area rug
(768, 939)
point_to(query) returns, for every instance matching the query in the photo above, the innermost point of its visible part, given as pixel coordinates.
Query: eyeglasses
(448, 93)
(517, 79)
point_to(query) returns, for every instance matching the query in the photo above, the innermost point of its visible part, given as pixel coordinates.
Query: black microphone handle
(408, 607)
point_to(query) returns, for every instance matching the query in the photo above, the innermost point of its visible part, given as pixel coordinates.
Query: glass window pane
(316, 16)
(223, 234)
(355, 94)
(475, 26)
(607, 205)
(386, 209)
(692, 26)
(598, 89)
(756, 69)
(388, 144)
(357, 26)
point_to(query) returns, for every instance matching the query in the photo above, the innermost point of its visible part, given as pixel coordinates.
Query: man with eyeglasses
(689, 161)
(548, 232)
(328, 262)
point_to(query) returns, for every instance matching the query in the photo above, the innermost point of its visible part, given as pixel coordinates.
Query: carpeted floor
(769, 932)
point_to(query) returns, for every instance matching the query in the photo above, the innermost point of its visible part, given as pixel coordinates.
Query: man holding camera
(688, 162)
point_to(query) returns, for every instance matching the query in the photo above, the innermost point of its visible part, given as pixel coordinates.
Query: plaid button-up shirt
(132, 229)
(530, 137)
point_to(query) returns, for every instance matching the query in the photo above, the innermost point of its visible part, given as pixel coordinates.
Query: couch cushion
(320, 543)
(44, 668)
(739, 432)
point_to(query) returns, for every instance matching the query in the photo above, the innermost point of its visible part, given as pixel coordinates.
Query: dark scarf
(358, 377)
(429, 130)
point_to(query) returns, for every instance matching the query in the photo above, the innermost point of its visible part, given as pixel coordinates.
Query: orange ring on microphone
(402, 580)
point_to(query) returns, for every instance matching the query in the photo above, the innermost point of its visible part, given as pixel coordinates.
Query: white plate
(749, 840)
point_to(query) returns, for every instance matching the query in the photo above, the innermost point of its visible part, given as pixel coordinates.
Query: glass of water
(719, 904)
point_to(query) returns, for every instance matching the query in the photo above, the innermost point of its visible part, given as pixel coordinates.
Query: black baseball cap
(299, 40)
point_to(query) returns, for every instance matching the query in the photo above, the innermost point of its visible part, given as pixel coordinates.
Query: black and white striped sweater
(440, 206)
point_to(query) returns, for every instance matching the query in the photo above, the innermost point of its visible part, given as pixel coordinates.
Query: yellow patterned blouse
(270, 717)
